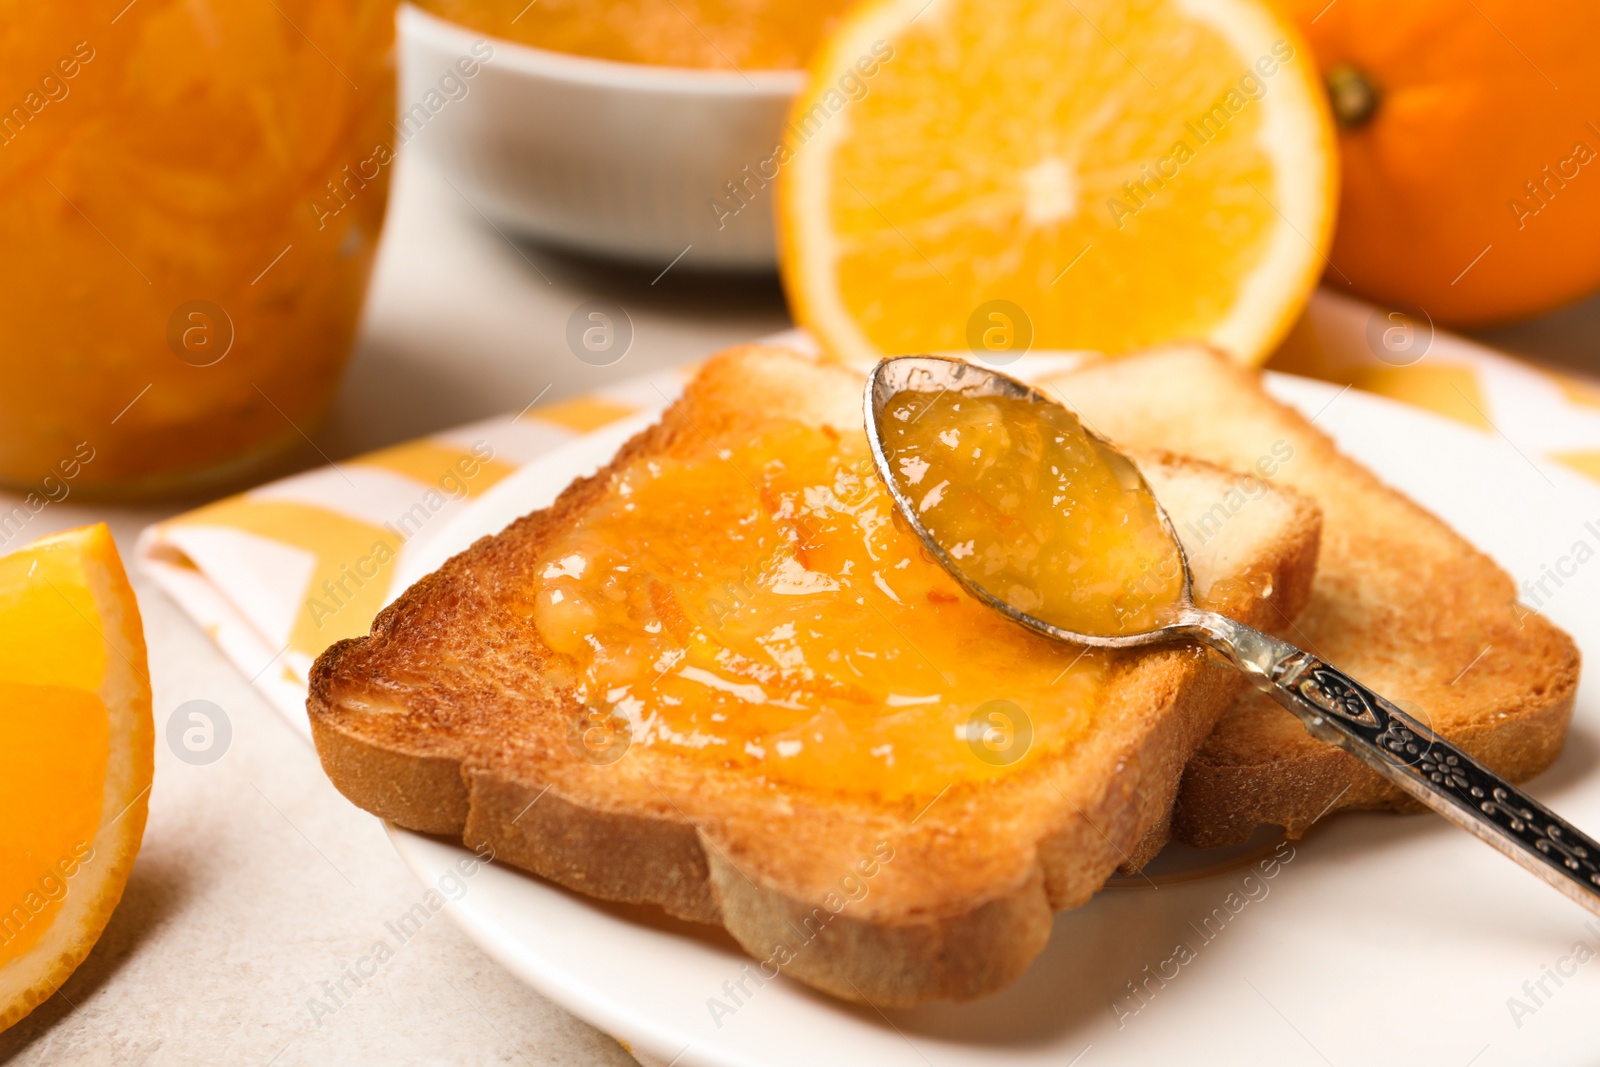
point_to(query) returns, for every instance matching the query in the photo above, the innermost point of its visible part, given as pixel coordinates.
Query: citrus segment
(76, 745)
(64, 802)
(1099, 175)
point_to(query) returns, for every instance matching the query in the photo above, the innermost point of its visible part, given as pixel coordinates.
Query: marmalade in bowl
(193, 192)
(754, 601)
(710, 34)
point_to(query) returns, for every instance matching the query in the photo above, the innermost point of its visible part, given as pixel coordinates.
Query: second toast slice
(1400, 601)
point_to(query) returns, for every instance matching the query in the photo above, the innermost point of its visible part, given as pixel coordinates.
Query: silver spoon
(1333, 706)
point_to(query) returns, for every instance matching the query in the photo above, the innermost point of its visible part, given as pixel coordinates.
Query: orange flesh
(1034, 166)
(1036, 511)
(715, 34)
(751, 601)
(54, 739)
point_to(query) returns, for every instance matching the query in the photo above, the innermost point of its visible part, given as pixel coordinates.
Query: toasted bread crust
(956, 891)
(1399, 600)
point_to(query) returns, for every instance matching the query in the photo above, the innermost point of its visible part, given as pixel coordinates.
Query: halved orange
(983, 175)
(76, 756)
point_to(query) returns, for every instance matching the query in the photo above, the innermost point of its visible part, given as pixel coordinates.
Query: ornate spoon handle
(1340, 710)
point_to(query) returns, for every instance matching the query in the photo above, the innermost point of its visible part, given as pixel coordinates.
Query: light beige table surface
(258, 883)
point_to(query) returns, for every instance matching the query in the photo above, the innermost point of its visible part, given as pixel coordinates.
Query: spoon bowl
(938, 375)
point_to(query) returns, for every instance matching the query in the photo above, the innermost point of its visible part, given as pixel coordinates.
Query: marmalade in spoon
(753, 600)
(1035, 510)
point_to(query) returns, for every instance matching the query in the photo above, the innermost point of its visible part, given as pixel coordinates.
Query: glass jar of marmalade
(190, 197)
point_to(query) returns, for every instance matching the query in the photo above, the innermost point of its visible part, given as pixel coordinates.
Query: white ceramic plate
(1383, 940)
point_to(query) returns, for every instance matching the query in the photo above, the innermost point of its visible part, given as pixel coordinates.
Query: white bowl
(620, 159)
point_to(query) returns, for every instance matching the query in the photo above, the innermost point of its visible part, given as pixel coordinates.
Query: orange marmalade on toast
(752, 600)
(1035, 510)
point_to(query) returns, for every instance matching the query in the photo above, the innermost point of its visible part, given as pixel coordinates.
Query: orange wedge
(990, 176)
(76, 756)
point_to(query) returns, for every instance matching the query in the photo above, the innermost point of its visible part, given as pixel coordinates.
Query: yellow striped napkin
(278, 573)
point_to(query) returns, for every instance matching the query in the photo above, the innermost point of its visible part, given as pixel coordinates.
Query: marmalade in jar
(192, 194)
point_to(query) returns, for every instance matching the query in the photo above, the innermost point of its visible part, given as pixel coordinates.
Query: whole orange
(1470, 137)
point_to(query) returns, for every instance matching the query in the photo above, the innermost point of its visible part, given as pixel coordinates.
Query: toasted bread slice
(1400, 601)
(452, 718)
